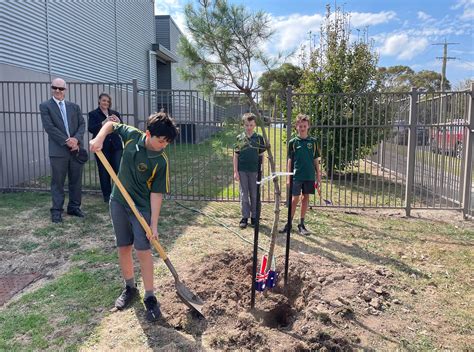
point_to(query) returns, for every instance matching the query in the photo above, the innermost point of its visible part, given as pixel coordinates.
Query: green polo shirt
(303, 151)
(142, 171)
(248, 150)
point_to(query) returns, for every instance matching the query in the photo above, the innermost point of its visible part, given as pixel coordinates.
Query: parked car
(400, 133)
(448, 137)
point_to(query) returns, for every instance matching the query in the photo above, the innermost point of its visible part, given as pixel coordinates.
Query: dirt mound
(325, 305)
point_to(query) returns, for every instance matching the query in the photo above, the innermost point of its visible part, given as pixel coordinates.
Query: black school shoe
(243, 223)
(126, 297)
(253, 222)
(285, 229)
(302, 230)
(152, 306)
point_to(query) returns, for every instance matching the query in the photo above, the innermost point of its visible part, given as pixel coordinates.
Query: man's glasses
(58, 88)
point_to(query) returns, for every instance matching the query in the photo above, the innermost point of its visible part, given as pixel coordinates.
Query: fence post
(289, 113)
(289, 108)
(135, 102)
(289, 93)
(467, 185)
(410, 173)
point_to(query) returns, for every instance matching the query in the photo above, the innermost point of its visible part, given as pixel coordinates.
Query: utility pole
(445, 58)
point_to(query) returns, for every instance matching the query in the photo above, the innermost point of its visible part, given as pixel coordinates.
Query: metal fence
(409, 150)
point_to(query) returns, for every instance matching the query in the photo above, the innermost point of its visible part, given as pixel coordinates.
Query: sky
(402, 31)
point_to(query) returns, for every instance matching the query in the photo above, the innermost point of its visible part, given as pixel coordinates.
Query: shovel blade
(190, 299)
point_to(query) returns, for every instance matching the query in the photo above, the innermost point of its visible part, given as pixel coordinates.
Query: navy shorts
(305, 187)
(128, 229)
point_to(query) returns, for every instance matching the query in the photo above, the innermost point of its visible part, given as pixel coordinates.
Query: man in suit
(65, 126)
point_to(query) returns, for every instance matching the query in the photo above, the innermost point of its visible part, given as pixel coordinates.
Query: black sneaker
(253, 222)
(243, 223)
(126, 297)
(302, 230)
(285, 229)
(152, 306)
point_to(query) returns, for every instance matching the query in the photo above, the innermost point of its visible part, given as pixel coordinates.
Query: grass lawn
(431, 256)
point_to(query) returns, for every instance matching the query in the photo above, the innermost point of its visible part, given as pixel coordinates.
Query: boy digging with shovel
(144, 172)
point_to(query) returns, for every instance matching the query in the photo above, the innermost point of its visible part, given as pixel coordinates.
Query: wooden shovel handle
(131, 204)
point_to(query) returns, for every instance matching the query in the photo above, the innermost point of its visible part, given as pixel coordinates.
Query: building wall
(107, 40)
(80, 41)
(168, 34)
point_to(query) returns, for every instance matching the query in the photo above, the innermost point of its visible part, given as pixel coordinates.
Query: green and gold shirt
(303, 152)
(142, 171)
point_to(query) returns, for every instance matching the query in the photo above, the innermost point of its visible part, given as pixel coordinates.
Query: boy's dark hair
(249, 116)
(160, 124)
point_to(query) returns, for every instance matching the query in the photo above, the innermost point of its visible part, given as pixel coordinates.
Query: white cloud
(468, 9)
(360, 19)
(174, 8)
(424, 16)
(291, 31)
(468, 14)
(402, 46)
(166, 7)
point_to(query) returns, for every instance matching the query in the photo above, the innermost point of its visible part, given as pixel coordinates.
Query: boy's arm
(318, 171)
(236, 168)
(155, 202)
(96, 143)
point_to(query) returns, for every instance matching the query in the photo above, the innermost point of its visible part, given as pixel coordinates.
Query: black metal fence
(393, 150)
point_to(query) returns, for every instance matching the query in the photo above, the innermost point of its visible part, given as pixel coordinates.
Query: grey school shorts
(305, 187)
(127, 228)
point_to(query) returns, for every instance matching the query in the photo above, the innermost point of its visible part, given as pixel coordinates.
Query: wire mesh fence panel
(441, 133)
(24, 155)
(359, 137)
(364, 141)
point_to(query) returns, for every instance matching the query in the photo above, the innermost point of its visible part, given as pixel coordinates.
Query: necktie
(64, 115)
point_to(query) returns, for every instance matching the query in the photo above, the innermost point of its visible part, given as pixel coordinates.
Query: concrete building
(95, 46)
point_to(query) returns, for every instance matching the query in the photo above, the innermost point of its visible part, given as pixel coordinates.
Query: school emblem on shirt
(310, 145)
(142, 167)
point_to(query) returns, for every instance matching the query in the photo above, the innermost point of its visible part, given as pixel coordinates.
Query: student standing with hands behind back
(112, 147)
(303, 150)
(250, 147)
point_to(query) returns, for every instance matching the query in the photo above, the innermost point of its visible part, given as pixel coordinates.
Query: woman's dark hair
(160, 124)
(107, 96)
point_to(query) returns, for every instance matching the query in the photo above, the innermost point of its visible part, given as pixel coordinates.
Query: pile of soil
(326, 305)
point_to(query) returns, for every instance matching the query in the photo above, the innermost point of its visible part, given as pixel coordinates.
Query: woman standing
(112, 148)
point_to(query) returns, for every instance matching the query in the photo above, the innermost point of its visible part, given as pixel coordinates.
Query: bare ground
(365, 280)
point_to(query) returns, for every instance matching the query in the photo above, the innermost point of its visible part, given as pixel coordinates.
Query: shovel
(188, 298)
(326, 201)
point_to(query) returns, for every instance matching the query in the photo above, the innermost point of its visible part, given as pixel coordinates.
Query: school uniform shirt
(248, 150)
(142, 171)
(303, 152)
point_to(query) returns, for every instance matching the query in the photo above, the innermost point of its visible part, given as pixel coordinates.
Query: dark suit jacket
(112, 141)
(54, 126)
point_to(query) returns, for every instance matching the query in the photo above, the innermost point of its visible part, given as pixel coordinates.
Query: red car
(448, 137)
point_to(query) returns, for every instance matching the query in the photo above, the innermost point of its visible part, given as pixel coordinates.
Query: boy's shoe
(243, 223)
(302, 230)
(126, 297)
(285, 229)
(152, 306)
(253, 222)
